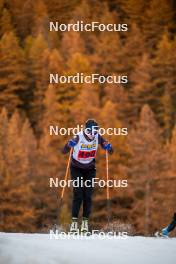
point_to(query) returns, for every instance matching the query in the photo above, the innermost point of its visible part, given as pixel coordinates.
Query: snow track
(40, 249)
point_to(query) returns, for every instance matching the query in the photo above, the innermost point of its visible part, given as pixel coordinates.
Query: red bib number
(83, 154)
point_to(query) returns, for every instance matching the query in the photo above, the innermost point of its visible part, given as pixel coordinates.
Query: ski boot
(163, 233)
(84, 226)
(74, 226)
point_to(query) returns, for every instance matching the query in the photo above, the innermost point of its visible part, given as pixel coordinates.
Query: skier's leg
(77, 192)
(170, 227)
(87, 199)
(87, 194)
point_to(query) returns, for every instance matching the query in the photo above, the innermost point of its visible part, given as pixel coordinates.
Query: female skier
(85, 145)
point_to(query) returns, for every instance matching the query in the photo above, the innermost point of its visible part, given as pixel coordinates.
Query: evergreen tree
(26, 19)
(14, 151)
(3, 141)
(5, 22)
(35, 49)
(158, 16)
(142, 91)
(78, 62)
(68, 93)
(134, 10)
(16, 211)
(108, 58)
(163, 83)
(29, 150)
(117, 94)
(167, 111)
(15, 7)
(52, 108)
(41, 20)
(133, 48)
(148, 162)
(88, 96)
(83, 12)
(86, 12)
(12, 72)
(172, 152)
(72, 43)
(64, 9)
(50, 162)
(52, 63)
(1, 4)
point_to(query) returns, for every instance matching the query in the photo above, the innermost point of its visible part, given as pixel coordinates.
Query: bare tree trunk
(147, 207)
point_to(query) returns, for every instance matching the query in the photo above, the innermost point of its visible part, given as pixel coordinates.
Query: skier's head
(91, 128)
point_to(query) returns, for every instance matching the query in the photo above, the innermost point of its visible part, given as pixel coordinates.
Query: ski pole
(107, 189)
(66, 173)
(63, 189)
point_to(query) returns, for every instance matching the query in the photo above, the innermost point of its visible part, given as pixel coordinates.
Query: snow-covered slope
(40, 249)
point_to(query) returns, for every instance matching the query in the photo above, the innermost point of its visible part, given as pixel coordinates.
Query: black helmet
(91, 126)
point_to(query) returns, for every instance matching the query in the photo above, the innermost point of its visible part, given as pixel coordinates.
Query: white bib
(85, 151)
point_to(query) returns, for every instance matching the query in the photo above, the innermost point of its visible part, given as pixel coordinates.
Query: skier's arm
(105, 144)
(70, 144)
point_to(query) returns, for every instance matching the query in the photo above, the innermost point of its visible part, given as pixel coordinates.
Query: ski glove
(107, 146)
(71, 143)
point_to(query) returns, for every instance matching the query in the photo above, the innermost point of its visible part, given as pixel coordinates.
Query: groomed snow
(40, 249)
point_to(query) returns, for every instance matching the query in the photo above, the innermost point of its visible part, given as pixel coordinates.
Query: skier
(165, 231)
(84, 145)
